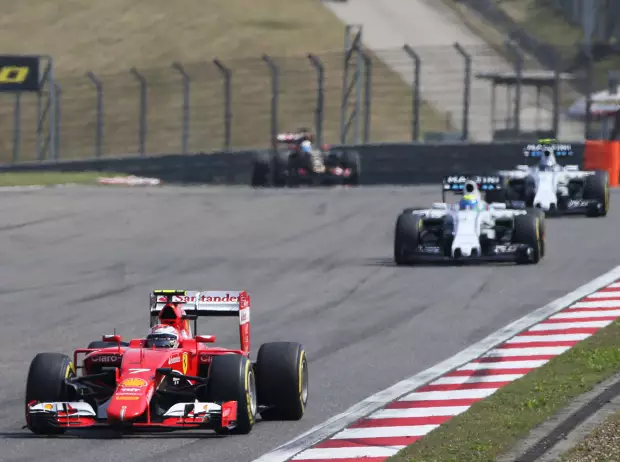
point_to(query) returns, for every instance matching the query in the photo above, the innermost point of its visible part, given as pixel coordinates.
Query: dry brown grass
(110, 37)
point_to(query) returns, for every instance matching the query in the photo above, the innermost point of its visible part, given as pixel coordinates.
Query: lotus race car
(296, 161)
(472, 230)
(172, 379)
(554, 188)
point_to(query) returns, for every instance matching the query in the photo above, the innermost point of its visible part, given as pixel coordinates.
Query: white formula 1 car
(472, 230)
(554, 188)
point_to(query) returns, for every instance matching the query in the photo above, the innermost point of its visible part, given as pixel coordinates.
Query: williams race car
(554, 188)
(172, 379)
(471, 230)
(296, 161)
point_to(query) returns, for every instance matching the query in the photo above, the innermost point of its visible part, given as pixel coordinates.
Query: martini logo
(133, 382)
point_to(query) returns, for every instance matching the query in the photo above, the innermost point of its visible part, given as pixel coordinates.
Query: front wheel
(231, 378)
(527, 230)
(597, 187)
(406, 235)
(46, 382)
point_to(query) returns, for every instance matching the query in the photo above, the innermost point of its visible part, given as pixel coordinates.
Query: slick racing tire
(541, 216)
(282, 380)
(527, 230)
(597, 187)
(46, 383)
(351, 159)
(261, 170)
(406, 233)
(232, 378)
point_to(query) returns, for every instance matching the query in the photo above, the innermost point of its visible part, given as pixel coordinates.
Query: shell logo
(133, 382)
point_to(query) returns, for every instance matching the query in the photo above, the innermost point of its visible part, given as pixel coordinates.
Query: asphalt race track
(79, 262)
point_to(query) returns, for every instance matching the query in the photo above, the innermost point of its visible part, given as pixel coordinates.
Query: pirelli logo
(19, 73)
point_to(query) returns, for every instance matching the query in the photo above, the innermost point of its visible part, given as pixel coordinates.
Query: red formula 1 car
(173, 378)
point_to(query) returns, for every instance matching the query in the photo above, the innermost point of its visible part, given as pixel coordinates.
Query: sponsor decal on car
(219, 299)
(174, 359)
(506, 248)
(127, 398)
(133, 382)
(573, 204)
(106, 358)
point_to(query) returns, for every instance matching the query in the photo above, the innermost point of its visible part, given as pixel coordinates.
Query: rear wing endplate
(456, 183)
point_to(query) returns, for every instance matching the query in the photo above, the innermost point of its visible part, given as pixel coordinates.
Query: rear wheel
(282, 380)
(46, 383)
(406, 236)
(351, 159)
(597, 188)
(261, 170)
(231, 378)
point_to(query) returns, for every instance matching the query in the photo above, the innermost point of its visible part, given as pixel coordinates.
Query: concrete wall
(401, 163)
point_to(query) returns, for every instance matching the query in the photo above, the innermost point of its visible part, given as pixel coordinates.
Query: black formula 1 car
(295, 161)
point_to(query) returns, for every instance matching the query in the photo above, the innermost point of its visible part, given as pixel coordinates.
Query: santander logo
(227, 298)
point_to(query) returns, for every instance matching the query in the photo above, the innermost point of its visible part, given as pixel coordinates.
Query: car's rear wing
(559, 149)
(228, 303)
(456, 183)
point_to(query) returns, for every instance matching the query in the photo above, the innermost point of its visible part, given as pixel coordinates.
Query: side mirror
(205, 338)
(112, 339)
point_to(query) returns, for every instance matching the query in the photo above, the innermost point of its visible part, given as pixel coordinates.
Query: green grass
(52, 178)
(494, 425)
(110, 37)
(601, 445)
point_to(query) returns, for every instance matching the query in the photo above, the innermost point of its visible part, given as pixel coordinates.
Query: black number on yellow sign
(14, 74)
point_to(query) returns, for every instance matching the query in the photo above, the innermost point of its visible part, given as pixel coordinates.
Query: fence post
(99, 128)
(519, 62)
(415, 100)
(367, 94)
(53, 102)
(275, 93)
(466, 90)
(143, 108)
(17, 117)
(41, 112)
(227, 74)
(320, 95)
(57, 119)
(186, 94)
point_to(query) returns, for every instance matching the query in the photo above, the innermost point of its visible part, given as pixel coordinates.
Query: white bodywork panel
(548, 183)
(469, 225)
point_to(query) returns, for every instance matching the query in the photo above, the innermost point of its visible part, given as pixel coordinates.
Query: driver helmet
(162, 336)
(306, 146)
(547, 160)
(468, 202)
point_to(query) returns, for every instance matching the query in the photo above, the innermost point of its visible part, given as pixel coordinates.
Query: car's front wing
(80, 414)
(497, 253)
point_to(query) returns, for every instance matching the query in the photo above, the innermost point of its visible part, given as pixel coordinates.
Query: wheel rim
(304, 381)
(252, 392)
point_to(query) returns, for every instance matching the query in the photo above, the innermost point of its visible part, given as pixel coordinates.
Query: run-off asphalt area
(79, 262)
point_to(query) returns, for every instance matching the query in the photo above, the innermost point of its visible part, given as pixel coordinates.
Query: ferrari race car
(471, 230)
(172, 379)
(554, 188)
(296, 161)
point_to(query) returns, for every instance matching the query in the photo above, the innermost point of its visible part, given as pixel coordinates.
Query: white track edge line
(378, 400)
